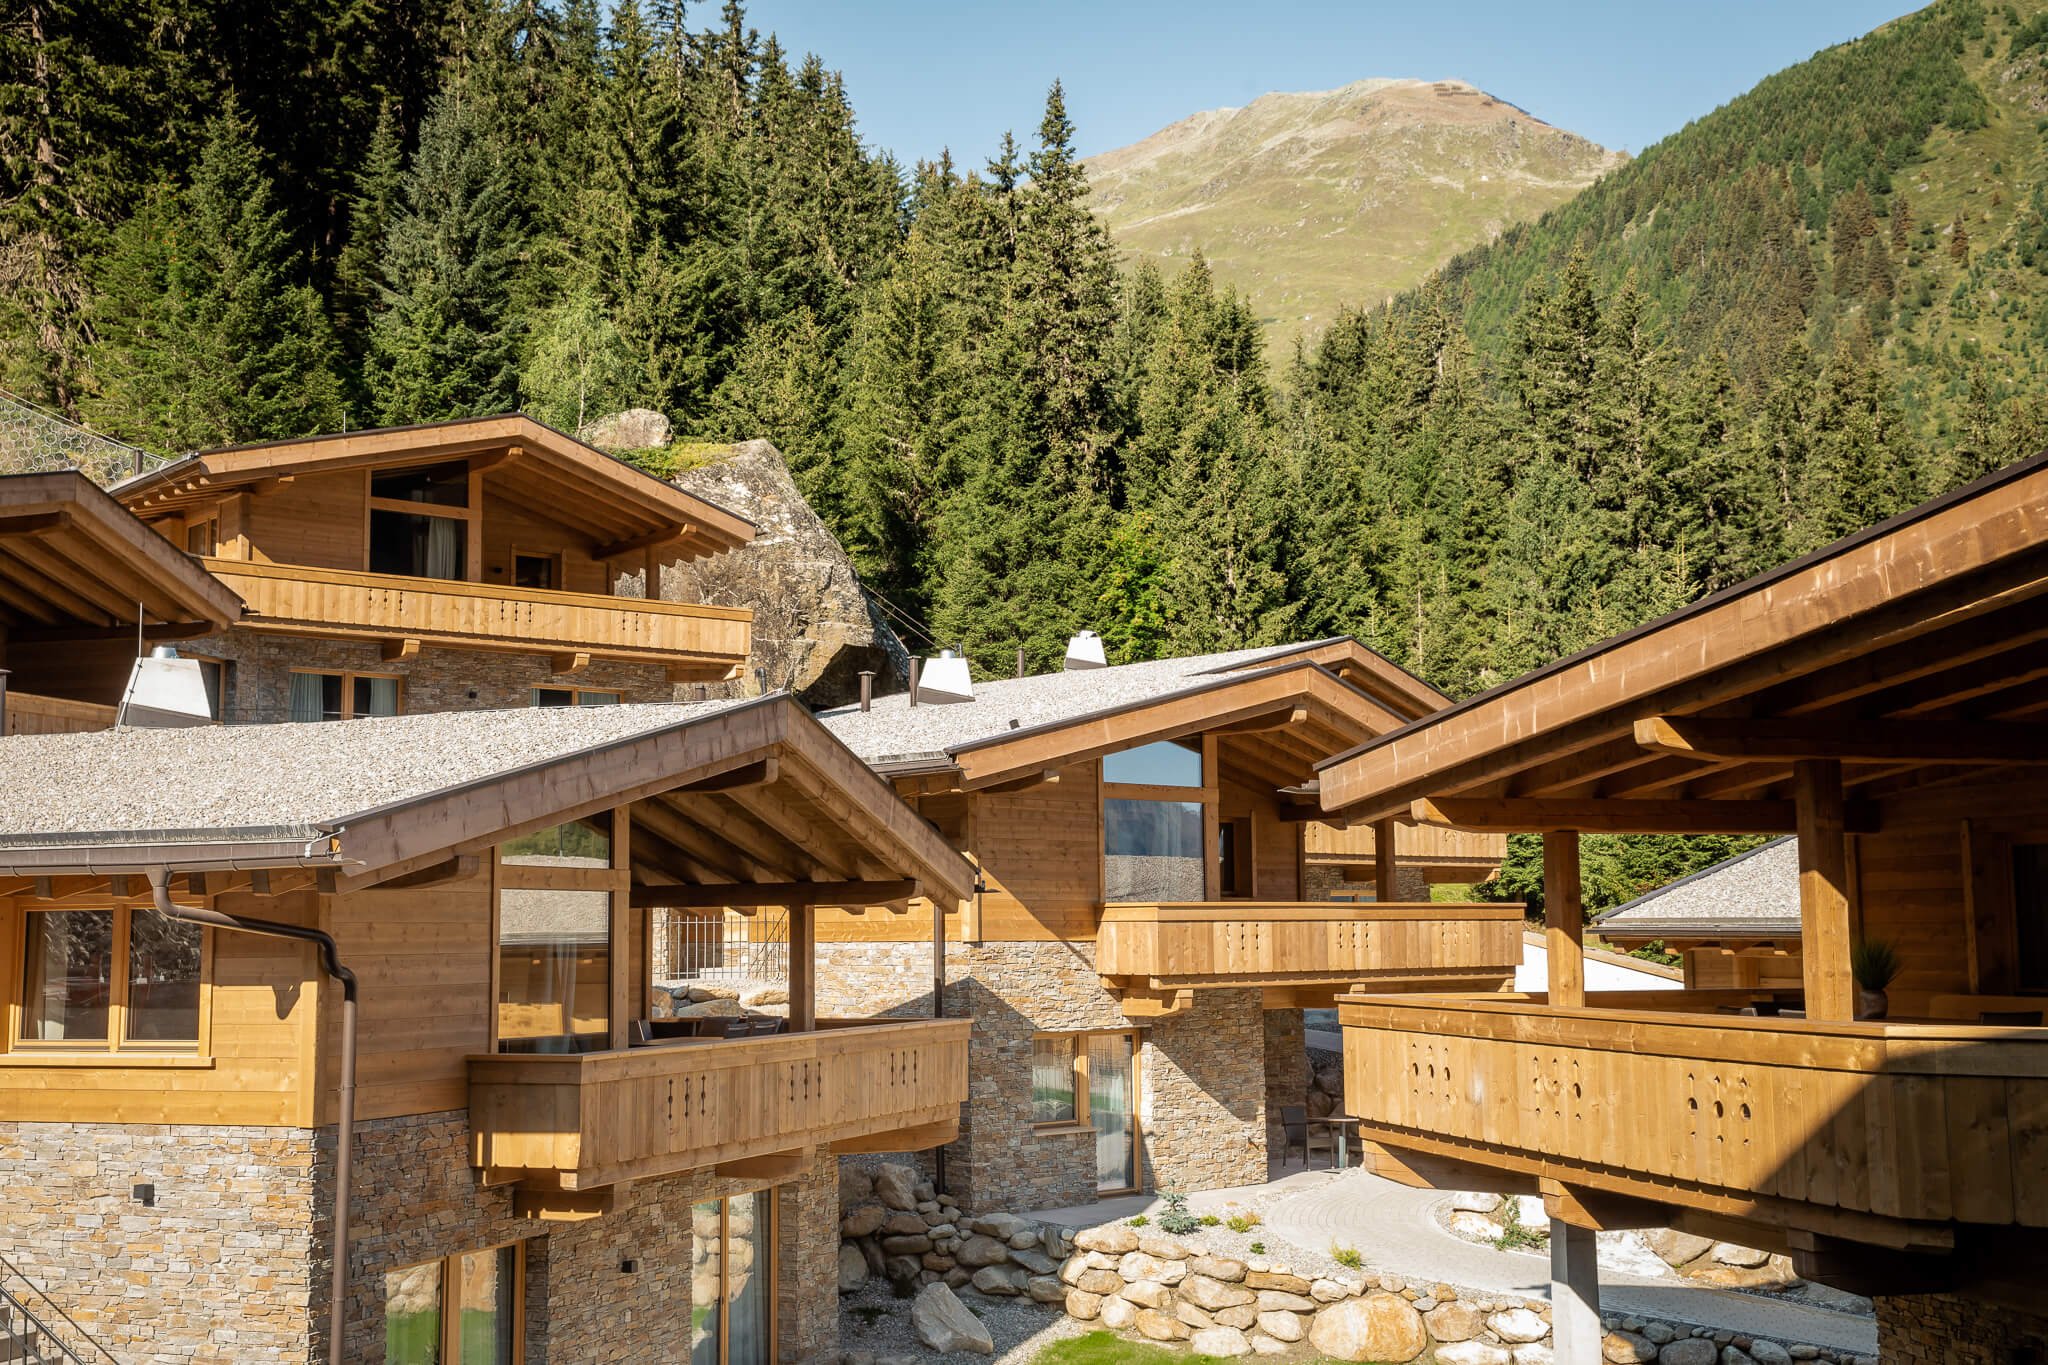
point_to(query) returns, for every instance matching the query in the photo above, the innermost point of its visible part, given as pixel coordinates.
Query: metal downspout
(330, 961)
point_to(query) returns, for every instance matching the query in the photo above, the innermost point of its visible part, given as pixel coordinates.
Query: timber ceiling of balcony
(555, 476)
(75, 564)
(753, 797)
(1916, 653)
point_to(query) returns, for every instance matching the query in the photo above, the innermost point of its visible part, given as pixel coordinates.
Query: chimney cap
(1084, 651)
(945, 680)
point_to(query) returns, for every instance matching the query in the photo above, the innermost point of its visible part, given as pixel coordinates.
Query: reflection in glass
(1166, 763)
(747, 1279)
(489, 1317)
(68, 978)
(1052, 1080)
(705, 1263)
(554, 970)
(1109, 1109)
(412, 1315)
(580, 843)
(163, 979)
(1152, 850)
(444, 485)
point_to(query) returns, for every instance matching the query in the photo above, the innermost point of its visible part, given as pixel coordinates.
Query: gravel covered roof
(213, 780)
(1751, 890)
(895, 732)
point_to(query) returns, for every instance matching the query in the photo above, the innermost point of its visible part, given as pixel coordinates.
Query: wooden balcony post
(1823, 888)
(1564, 919)
(803, 967)
(1383, 888)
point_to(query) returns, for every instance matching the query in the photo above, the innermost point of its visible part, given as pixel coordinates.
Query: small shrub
(1140, 1221)
(1514, 1232)
(1242, 1222)
(1176, 1221)
(1347, 1257)
(1210, 1220)
(1258, 1248)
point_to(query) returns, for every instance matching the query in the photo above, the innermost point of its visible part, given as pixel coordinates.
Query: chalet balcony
(696, 643)
(583, 1121)
(1176, 946)
(1889, 1133)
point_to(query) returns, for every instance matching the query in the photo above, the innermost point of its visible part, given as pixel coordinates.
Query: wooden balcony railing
(1178, 946)
(305, 601)
(1850, 1129)
(583, 1121)
(30, 714)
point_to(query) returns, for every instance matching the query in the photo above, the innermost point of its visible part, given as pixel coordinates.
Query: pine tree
(207, 333)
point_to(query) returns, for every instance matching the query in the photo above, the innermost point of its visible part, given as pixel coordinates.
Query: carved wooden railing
(1176, 946)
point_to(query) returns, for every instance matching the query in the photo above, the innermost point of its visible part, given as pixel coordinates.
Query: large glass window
(573, 696)
(1167, 763)
(554, 940)
(464, 1310)
(1052, 1079)
(1152, 850)
(1092, 1079)
(341, 696)
(418, 546)
(732, 1280)
(108, 977)
(443, 485)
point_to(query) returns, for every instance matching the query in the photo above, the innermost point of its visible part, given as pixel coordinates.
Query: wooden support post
(803, 968)
(1564, 920)
(1383, 889)
(1823, 888)
(1574, 1289)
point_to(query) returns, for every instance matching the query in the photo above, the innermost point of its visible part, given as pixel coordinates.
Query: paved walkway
(1397, 1230)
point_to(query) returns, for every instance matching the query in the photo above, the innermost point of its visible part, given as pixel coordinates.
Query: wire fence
(34, 440)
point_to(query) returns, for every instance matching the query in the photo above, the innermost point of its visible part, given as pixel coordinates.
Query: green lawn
(1107, 1348)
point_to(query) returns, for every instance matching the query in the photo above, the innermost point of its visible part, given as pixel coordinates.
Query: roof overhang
(1386, 682)
(1920, 643)
(621, 508)
(1692, 930)
(76, 565)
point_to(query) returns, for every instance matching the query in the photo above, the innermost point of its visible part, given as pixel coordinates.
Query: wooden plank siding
(1906, 1123)
(30, 714)
(590, 1120)
(1176, 946)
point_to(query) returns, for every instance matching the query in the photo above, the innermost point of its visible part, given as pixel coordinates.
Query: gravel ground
(873, 1320)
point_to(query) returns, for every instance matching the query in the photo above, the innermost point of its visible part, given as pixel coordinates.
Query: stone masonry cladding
(1287, 1076)
(233, 1261)
(258, 683)
(1942, 1329)
(1202, 1106)
(1320, 881)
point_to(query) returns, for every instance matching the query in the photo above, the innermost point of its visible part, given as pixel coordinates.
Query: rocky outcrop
(815, 628)
(633, 429)
(906, 1231)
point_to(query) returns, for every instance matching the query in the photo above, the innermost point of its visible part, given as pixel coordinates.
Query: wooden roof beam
(1852, 741)
(1511, 815)
(852, 894)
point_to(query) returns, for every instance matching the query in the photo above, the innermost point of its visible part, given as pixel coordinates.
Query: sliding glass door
(1112, 1094)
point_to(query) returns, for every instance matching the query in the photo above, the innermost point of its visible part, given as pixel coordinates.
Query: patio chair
(1296, 1132)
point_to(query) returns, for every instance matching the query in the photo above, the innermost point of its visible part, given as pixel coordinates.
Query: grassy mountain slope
(1823, 206)
(1314, 200)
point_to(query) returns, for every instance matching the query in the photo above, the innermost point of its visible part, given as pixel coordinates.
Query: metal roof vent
(164, 692)
(1085, 651)
(945, 680)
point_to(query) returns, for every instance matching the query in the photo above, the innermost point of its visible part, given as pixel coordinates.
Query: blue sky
(926, 74)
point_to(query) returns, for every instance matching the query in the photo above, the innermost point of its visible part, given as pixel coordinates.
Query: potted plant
(1875, 964)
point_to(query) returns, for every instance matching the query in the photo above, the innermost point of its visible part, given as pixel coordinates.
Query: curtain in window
(1109, 1108)
(444, 547)
(307, 696)
(1052, 1080)
(379, 697)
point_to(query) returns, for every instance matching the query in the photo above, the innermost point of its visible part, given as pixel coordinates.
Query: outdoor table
(1344, 1124)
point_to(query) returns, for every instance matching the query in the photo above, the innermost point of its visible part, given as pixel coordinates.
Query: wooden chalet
(1880, 699)
(485, 883)
(492, 547)
(82, 581)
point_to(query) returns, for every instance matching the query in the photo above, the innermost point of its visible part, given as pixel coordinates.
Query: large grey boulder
(815, 628)
(633, 429)
(943, 1323)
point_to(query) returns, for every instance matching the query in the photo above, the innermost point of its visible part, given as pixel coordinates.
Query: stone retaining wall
(1942, 1329)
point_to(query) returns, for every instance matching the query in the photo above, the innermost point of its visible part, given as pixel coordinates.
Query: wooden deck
(585, 1121)
(1887, 1133)
(700, 641)
(1190, 945)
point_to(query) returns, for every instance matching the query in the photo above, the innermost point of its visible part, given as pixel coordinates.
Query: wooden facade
(1880, 699)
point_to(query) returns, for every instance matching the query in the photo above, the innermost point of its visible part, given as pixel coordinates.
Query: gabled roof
(74, 560)
(1067, 717)
(367, 796)
(1754, 894)
(548, 472)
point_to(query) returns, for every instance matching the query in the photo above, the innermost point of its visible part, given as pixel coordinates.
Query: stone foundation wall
(1944, 1329)
(234, 1260)
(1202, 1105)
(258, 683)
(1287, 1075)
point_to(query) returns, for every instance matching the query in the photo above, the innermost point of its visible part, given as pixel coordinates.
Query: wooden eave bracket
(398, 651)
(570, 662)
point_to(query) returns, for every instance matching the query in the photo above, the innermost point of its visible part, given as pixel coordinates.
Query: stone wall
(1287, 1075)
(1202, 1105)
(258, 683)
(1944, 1329)
(233, 1261)
(1319, 881)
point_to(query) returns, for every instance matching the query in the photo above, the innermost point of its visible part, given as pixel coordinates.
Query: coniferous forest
(225, 222)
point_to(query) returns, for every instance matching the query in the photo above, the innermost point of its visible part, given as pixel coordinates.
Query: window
(1234, 854)
(342, 696)
(440, 485)
(2030, 915)
(468, 1309)
(1168, 763)
(1091, 1080)
(202, 536)
(555, 898)
(420, 520)
(573, 696)
(111, 978)
(1154, 845)
(732, 1295)
(536, 571)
